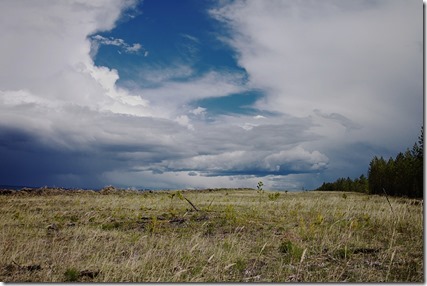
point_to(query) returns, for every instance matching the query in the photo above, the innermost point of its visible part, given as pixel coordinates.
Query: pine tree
(402, 176)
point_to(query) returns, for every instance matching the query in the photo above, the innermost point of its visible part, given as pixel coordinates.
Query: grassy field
(234, 235)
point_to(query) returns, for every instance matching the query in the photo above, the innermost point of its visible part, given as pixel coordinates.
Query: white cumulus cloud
(99, 40)
(353, 67)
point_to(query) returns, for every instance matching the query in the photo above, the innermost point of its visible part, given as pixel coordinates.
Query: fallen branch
(194, 207)
(388, 201)
(211, 203)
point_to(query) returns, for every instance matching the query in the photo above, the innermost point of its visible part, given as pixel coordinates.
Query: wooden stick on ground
(194, 207)
(388, 201)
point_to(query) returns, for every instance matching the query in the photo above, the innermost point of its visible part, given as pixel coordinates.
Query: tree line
(399, 176)
(346, 185)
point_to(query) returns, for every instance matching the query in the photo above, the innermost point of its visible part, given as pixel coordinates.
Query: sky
(166, 94)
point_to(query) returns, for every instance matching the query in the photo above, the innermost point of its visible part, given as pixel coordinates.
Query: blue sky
(170, 94)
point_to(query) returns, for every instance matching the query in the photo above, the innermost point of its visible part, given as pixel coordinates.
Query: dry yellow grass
(237, 235)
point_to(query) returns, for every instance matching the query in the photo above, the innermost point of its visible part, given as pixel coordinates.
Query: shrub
(274, 196)
(71, 275)
(259, 187)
